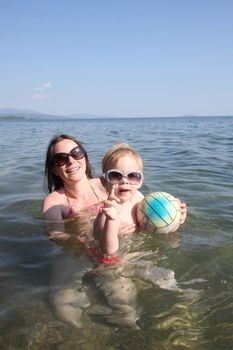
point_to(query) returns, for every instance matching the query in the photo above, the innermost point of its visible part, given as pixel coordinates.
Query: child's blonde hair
(116, 152)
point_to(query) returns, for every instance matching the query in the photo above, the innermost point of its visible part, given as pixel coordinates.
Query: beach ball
(159, 212)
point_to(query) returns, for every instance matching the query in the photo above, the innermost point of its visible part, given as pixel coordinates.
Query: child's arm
(107, 225)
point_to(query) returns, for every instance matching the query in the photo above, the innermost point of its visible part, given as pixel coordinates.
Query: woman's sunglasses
(61, 159)
(114, 177)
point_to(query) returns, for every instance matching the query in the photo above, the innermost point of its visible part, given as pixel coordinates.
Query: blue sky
(117, 57)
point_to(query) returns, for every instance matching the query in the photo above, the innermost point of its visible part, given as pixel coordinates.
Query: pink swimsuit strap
(72, 213)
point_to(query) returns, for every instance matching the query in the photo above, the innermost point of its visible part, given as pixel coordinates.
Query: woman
(70, 184)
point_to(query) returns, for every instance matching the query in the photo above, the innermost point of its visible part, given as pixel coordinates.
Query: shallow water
(190, 158)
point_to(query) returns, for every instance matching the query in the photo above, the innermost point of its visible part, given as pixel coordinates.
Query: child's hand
(111, 206)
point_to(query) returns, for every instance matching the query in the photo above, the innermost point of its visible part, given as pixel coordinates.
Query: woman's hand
(183, 211)
(58, 235)
(126, 229)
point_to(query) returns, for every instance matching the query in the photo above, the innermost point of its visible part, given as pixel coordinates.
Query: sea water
(189, 157)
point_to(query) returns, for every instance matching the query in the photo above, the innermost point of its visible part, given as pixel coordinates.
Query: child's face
(124, 190)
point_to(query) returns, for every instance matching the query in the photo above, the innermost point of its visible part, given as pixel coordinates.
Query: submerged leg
(68, 296)
(68, 305)
(120, 294)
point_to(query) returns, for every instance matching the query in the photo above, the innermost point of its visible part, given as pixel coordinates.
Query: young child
(123, 171)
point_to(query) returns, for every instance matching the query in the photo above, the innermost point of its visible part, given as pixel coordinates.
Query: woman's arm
(52, 214)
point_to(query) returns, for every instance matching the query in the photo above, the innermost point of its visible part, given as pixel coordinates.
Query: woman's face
(73, 170)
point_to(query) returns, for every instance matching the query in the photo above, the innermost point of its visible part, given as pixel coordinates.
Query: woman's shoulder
(54, 198)
(53, 204)
(56, 194)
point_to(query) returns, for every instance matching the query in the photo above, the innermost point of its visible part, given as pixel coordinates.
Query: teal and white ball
(159, 212)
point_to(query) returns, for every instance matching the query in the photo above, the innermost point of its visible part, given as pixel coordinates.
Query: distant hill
(27, 114)
(87, 116)
(22, 114)
(15, 111)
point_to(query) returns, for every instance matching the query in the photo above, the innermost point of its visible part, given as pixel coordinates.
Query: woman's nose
(71, 159)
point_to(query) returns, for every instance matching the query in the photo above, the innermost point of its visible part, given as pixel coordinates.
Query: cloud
(39, 96)
(44, 86)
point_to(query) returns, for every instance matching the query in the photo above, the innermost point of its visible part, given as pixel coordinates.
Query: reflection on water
(190, 158)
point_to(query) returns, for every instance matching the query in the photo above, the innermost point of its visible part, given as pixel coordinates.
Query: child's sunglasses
(114, 177)
(61, 159)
